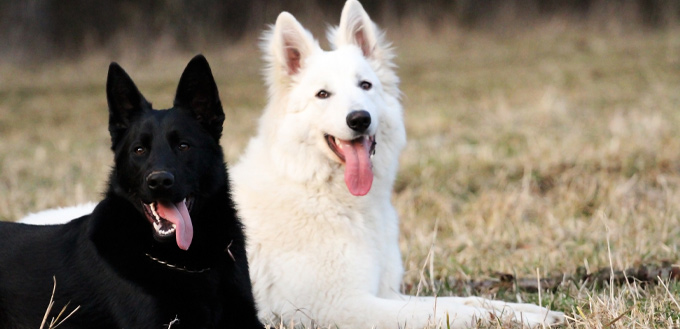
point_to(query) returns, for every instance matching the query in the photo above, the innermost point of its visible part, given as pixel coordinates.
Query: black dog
(164, 247)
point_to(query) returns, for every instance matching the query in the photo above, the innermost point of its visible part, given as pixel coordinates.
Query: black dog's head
(167, 161)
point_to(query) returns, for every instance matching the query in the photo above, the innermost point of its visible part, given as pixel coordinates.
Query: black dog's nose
(359, 120)
(160, 180)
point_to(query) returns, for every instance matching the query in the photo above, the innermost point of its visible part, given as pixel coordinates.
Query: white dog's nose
(359, 120)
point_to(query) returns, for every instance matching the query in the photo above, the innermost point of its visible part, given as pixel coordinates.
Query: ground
(532, 152)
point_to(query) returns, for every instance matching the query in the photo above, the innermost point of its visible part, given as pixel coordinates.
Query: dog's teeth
(165, 232)
(153, 211)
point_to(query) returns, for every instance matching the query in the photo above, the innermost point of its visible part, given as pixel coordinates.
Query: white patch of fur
(318, 254)
(58, 215)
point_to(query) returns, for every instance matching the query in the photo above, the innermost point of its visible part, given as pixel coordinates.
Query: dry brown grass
(61, 317)
(529, 151)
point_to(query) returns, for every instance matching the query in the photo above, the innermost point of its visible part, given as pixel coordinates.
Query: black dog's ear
(125, 100)
(197, 93)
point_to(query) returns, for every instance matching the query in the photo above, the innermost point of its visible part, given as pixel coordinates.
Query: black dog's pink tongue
(358, 168)
(178, 214)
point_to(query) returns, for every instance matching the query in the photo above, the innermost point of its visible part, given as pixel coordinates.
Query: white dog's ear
(356, 28)
(290, 44)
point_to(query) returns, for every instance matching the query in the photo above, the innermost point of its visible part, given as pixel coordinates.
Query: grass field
(531, 152)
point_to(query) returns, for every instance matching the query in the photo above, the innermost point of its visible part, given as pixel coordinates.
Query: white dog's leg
(373, 312)
(420, 312)
(528, 314)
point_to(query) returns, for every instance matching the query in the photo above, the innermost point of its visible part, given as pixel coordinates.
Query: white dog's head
(328, 109)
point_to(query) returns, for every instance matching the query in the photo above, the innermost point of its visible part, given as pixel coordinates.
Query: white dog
(314, 186)
(313, 189)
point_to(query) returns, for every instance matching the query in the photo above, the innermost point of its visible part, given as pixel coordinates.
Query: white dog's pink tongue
(358, 168)
(178, 214)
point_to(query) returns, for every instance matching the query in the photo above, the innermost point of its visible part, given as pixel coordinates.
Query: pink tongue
(358, 169)
(178, 214)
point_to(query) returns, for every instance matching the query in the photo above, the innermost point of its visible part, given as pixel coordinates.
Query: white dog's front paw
(530, 315)
(540, 319)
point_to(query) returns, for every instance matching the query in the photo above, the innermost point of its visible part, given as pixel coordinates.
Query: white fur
(317, 254)
(58, 215)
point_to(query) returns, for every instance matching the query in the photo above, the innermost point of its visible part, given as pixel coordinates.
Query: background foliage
(49, 28)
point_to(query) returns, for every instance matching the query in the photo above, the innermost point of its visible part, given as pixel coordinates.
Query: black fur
(110, 262)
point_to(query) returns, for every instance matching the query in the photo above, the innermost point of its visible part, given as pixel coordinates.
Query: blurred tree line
(56, 28)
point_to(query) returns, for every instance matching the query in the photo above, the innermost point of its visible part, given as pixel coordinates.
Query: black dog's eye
(183, 146)
(365, 85)
(139, 150)
(322, 94)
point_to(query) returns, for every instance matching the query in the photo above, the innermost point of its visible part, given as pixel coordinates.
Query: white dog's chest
(343, 245)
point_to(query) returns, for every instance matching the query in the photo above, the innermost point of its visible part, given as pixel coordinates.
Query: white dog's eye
(322, 94)
(365, 85)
